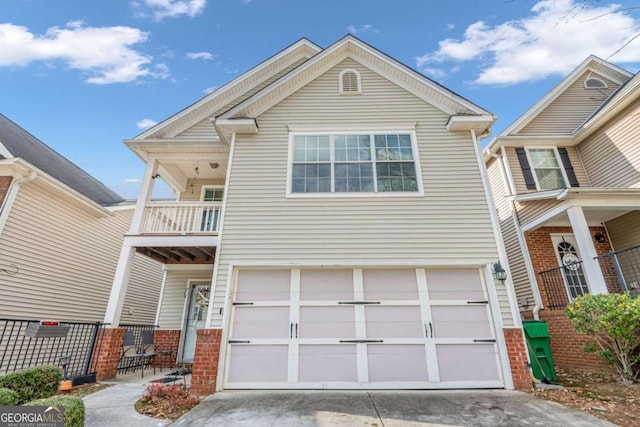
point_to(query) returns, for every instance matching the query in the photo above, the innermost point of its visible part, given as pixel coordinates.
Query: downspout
(11, 195)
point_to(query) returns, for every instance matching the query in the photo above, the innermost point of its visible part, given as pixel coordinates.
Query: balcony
(178, 218)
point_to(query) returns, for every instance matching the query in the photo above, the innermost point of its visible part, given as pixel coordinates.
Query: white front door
(361, 328)
(566, 250)
(196, 317)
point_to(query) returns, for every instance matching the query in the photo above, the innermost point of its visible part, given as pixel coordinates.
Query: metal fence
(621, 271)
(21, 346)
(124, 365)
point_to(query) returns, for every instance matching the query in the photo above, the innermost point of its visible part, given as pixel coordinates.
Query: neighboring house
(63, 230)
(333, 229)
(565, 178)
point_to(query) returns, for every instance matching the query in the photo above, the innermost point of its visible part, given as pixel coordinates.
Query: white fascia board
(499, 142)
(588, 64)
(53, 182)
(538, 195)
(600, 194)
(227, 127)
(479, 124)
(227, 86)
(349, 46)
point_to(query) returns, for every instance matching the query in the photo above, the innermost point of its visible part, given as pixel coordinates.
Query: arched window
(349, 82)
(594, 83)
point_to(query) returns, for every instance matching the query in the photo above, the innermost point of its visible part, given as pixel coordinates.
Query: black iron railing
(125, 365)
(21, 346)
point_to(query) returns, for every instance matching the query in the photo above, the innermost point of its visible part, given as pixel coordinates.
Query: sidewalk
(113, 406)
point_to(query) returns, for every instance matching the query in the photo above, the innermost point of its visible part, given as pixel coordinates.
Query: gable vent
(350, 82)
(594, 83)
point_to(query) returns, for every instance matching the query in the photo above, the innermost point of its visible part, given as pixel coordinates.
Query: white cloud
(555, 38)
(451, 26)
(105, 53)
(132, 180)
(200, 55)
(210, 89)
(146, 123)
(435, 73)
(161, 9)
(364, 28)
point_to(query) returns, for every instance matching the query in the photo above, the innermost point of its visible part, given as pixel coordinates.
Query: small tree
(613, 321)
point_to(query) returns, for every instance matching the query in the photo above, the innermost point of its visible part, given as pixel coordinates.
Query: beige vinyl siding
(528, 211)
(143, 291)
(612, 154)
(515, 256)
(518, 176)
(204, 130)
(449, 224)
(67, 257)
(624, 231)
(173, 297)
(570, 109)
(193, 194)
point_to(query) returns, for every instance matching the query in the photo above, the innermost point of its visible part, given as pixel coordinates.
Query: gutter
(11, 196)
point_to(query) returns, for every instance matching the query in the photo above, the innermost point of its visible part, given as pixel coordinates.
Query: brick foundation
(517, 352)
(5, 183)
(109, 352)
(205, 361)
(166, 339)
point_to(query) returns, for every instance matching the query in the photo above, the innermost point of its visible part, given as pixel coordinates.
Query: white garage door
(361, 328)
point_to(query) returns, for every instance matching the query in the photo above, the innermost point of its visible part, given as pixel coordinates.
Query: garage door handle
(484, 340)
(291, 331)
(296, 329)
(242, 303)
(359, 302)
(239, 341)
(360, 341)
(478, 302)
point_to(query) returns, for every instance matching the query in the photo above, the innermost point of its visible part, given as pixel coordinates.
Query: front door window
(572, 271)
(196, 318)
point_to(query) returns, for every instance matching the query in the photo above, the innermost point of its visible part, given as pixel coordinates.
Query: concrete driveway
(382, 409)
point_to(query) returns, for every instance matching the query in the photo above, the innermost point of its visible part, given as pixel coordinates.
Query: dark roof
(21, 143)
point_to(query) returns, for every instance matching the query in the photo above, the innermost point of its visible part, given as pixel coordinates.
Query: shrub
(8, 397)
(166, 401)
(34, 383)
(73, 408)
(613, 321)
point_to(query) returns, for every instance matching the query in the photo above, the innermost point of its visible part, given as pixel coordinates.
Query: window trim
(204, 188)
(341, 85)
(558, 160)
(334, 194)
(604, 84)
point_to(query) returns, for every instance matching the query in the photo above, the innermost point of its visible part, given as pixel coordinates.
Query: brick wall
(5, 183)
(205, 361)
(517, 352)
(109, 352)
(566, 344)
(164, 340)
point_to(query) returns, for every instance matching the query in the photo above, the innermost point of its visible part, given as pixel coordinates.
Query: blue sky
(84, 75)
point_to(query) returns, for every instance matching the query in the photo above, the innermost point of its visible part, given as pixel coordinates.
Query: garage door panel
(326, 285)
(327, 363)
(263, 285)
(467, 362)
(394, 322)
(461, 321)
(260, 322)
(327, 322)
(397, 363)
(450, 284)
(258, 363)
(382, 285)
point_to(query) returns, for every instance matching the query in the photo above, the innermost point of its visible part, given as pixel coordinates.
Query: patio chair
(130, 354)
(150, 350)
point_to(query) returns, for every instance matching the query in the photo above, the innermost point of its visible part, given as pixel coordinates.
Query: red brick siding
(109, 352)
(205, 361)
(517, 352)
(5, 183)
(167, 339)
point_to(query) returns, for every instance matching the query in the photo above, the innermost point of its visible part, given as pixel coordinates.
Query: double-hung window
(353, 163)
(547, 168)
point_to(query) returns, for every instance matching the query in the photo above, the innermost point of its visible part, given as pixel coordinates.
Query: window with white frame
(353, 163)
(547, 168)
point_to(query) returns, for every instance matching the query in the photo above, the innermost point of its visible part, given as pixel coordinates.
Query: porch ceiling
(180, 255)
(594, 216)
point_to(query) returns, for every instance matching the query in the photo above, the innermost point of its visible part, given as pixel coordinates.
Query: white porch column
(146, 189)
(119, 286)
(587, 250)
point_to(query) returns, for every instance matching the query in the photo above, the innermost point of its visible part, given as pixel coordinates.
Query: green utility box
(539, 345)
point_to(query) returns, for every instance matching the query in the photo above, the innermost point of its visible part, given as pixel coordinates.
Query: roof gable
(233, 92)
(21, 144)
(351, 47)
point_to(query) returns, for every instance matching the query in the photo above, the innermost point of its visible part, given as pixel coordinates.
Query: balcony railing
(621, 271)
(181, 218)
